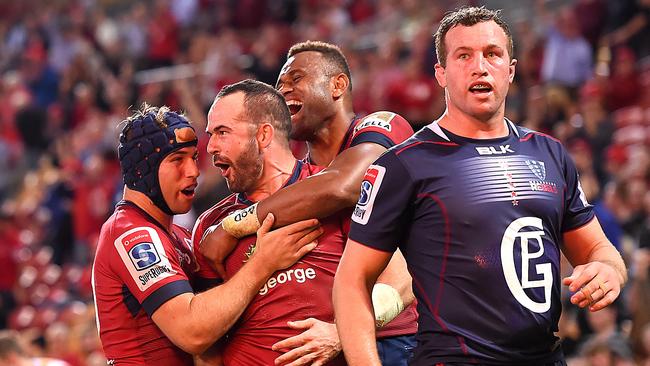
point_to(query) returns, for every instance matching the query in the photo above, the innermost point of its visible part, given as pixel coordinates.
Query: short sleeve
(384, 128)
(149, 266)
(206, 277)
(381, 214)
(577, 211)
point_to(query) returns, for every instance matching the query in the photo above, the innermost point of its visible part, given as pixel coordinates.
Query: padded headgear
(144, 142)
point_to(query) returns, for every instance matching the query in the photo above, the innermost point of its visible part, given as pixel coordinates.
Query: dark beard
(247, 169)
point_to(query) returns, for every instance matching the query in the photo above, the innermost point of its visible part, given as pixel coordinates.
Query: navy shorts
(396, 351)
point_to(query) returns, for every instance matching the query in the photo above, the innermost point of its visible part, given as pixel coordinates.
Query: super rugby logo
(369, 188)
(366, 189)
(144, 256)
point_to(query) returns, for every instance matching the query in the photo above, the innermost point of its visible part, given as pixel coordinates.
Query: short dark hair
(261, 101)
(467, 16)
(336, 61)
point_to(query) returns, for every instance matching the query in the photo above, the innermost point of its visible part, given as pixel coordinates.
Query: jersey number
(528, 240)
(144, 255)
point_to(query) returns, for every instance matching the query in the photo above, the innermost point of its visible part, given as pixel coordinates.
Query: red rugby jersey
(299, 292)
(139, 266)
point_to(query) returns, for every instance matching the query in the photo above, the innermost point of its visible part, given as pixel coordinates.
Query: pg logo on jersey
(369, 188)
(143, 254)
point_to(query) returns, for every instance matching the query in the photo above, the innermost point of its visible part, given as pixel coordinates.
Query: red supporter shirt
(138, 267)
(386, 129)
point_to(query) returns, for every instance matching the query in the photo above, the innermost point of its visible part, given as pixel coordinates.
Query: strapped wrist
(242, 222)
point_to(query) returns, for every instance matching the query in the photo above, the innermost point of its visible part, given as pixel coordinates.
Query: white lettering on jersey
(144, 256)
(491, 150)
(369, 188)
(299, 275)
(509, 269)
(377, 120)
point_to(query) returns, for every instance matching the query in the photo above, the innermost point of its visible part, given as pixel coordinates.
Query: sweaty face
(233, 145)
(478, 72)
(177, 174)
(304, 83)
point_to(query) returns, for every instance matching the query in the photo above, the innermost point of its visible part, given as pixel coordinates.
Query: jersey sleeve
(380, 216)
(147, 262)
(384, 128)
(206, 277)
(577, 211)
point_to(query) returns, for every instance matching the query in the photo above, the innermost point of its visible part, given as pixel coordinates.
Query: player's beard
(246, 169)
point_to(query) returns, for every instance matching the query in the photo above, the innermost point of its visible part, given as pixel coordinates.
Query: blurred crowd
(71, 70)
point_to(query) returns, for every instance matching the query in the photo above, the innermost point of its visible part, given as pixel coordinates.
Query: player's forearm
(607, 253)
(355, 321)
(315, 197)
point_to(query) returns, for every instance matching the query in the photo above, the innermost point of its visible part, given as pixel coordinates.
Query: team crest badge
(250, 251)
(538, 168)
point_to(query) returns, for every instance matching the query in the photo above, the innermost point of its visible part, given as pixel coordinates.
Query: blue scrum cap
(148, 136)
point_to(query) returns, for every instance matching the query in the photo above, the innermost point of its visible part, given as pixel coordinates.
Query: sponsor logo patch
(366, 189)
(491, 150)
(298, 275)
(369, 188)
(144, 256)
(376, 120)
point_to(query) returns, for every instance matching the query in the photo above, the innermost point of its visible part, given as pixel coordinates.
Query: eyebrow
(216, 128)
(490, 46)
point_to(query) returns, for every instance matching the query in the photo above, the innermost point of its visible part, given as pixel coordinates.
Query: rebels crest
(538, 168)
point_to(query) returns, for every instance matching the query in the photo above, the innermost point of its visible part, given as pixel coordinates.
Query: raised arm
(194, 322)
(325, 193)
(599, 271)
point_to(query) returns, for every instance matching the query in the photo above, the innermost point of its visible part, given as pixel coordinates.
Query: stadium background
(71, 69)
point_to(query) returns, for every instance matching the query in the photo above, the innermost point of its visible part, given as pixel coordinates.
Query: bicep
(361, 262)
(169, 316)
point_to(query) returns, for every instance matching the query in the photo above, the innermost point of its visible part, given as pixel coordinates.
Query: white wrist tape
(386, 302)
(242, 222)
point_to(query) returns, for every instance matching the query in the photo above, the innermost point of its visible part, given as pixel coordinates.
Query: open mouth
(189, 190)
(223, 166)
(480, 88)
(294, 106)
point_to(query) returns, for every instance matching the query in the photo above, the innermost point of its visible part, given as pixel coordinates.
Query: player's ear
(340, 83)
(441, 77)
(513, 63)
(264, 135)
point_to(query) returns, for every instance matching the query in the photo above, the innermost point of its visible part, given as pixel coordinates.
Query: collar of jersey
(462, 139)
(295, 174)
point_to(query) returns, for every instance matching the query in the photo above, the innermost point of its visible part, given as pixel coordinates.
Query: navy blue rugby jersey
(480, 223)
